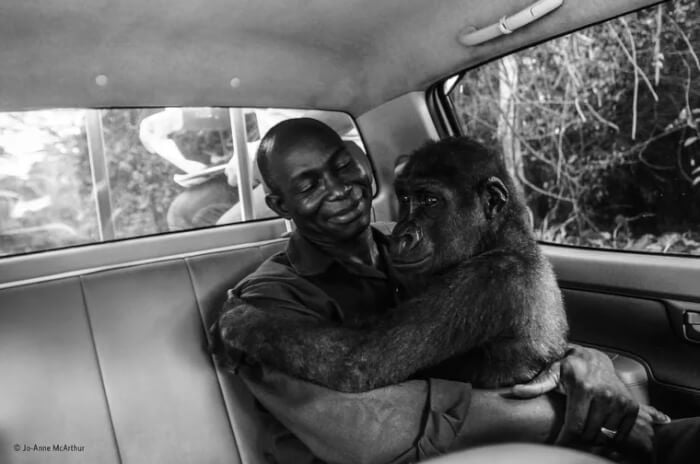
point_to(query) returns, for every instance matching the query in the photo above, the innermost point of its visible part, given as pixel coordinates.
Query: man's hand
(596, 400)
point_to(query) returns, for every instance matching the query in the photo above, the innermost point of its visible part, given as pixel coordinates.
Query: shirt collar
(307, 259)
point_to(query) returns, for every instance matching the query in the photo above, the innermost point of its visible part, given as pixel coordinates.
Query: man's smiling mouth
(347, 215)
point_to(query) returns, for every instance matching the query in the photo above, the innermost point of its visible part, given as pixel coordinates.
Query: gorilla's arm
(419, 333)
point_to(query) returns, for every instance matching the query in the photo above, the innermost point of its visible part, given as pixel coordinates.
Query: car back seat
(115, 362)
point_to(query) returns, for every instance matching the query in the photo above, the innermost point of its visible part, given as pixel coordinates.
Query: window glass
(76, 176)
(601, 127)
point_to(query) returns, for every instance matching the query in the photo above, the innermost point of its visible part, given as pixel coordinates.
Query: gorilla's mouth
(411, 265)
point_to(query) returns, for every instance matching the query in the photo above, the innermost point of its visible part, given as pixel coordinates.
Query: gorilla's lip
(413, 264)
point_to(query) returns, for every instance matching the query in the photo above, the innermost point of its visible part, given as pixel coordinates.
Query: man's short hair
(283, 137)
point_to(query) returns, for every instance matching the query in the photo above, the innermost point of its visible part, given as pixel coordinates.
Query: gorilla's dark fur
(491, 311)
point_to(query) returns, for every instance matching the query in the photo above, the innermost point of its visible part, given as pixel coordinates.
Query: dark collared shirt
(399, 423)
(306, 280)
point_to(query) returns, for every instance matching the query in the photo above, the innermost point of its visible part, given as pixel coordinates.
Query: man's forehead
(308, 154)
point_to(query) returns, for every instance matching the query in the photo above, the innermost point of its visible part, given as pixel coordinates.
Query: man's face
(325, 189)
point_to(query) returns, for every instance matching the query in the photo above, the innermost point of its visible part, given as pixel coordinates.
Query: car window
(601, 127)
(77, 176)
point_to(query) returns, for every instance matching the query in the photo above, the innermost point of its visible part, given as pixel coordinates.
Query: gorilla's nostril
(416, 236)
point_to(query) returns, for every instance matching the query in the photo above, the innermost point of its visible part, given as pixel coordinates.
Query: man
(336, 268)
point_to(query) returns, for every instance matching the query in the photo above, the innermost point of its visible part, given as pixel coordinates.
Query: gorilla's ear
(494, 197)
(400, 163)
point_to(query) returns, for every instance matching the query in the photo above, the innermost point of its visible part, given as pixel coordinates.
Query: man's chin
(351, 229)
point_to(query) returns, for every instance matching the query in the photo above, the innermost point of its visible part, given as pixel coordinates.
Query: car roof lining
(352, 55)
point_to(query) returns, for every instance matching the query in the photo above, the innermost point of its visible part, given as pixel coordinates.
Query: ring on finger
(608, 432)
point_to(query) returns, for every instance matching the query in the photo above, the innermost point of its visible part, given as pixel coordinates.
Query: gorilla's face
(444, 217)
(433, 232)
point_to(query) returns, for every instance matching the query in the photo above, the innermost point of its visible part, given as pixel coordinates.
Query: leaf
(689, 141)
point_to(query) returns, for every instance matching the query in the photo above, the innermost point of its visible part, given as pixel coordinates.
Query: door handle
(685, 319)
(691, 326)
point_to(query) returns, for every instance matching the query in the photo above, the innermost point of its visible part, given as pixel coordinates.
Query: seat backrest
(115, 362)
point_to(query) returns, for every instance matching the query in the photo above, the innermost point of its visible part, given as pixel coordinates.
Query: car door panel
(633, 304)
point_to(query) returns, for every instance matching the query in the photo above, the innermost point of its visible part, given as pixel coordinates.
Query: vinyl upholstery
(116, 362)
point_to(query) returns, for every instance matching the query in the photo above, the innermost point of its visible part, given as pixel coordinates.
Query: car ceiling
(347, 55)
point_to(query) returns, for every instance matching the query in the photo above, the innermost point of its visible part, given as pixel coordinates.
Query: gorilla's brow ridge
(418, 183)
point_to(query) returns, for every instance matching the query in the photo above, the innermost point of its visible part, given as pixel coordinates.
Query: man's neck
(360, 249)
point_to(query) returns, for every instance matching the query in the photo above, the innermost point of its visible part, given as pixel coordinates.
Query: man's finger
(600, 414)
(625, 428)
(657, 416)
(577, 405)
(545, 382)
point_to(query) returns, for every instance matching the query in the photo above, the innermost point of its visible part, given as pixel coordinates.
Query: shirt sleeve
(401, 423)
(286, 292)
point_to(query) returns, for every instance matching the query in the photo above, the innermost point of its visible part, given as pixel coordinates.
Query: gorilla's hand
(228, 340)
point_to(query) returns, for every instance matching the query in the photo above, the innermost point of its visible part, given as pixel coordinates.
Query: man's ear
(276, 204)
(494, 197)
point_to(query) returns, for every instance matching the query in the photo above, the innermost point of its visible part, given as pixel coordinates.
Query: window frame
(270, 227)
(444, 117)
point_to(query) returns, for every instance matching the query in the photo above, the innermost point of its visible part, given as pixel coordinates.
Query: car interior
(104, 344)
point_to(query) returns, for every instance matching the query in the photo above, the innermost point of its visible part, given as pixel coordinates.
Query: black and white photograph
(349, 232)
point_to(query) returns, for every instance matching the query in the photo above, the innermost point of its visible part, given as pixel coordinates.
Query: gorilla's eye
(404, 199)
(431, 200)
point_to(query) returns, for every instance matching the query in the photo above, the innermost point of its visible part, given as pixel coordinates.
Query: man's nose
(337, 189)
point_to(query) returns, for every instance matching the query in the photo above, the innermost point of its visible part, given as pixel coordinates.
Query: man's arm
(400, 423)
(596, 397)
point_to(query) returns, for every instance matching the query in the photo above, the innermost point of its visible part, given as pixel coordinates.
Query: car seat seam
(99, 370)
(211, 358)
